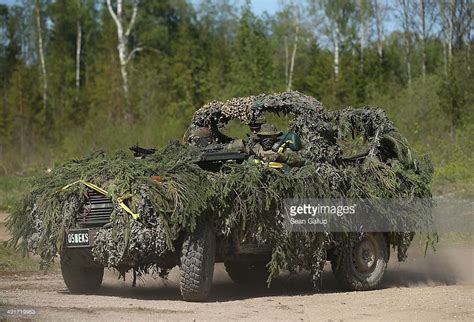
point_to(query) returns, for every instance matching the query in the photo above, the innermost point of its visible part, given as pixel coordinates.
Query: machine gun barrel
(140, 152)
(223, 156)
(220, 153)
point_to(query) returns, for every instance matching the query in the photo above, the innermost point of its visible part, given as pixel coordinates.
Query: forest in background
(81, 75)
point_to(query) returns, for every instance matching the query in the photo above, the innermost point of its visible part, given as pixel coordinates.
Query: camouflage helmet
(200, 137)
(257, 121)
(201, 132)
(268, 129)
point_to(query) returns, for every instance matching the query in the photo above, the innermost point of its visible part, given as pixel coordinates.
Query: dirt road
(440, 286)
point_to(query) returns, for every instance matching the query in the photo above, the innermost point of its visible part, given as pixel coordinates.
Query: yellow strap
(120, 200)
(127, 209)
(274, 165)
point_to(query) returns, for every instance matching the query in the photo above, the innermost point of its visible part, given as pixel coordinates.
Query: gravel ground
(437, 287)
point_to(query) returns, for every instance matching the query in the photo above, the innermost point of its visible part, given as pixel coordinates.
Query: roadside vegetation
(67, 90)
(10, 262)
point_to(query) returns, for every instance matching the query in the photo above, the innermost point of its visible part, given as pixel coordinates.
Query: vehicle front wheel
(81, 279)
(362, 266)
(197, 264)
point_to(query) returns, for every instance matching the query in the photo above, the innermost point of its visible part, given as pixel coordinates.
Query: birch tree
(78, 49)
(290, 18)
(425, 16)
(364, 21)
(339, 26)
(44, 75)
(456, 25)
(293, 54)
(470, 22)
(445, 33)
(380, 10)
(124, 28)
(404, 15)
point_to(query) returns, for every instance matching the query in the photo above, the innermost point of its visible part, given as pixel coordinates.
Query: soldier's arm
(292, 158)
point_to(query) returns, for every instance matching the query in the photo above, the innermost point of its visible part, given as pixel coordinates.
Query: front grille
(97, 209)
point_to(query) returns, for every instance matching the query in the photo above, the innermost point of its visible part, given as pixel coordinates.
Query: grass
(454, 178)
(10, 261)
(456, 238)
(11, 190)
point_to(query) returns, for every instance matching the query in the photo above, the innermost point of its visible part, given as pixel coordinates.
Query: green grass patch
(10, 261)
(11, 190)
(455, 238)
(454, 178)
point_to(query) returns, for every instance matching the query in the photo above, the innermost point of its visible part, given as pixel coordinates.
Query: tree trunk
(378, 13)
(336, 52)
(22, 119)
(124, 56)
(409, 72)
(451, 9)
(405, 20)
(423, 37)
(362, 40)
(78, 57)
(42, 60)
(293, 55)
(468, 30)
(287, 59)
(445, 58)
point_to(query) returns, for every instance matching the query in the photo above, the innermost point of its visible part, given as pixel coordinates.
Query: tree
(364, 12)
(456, 25)
(289, 20)
(404, 15)
(44, 75)
(339, 26)
(425, 15)
(456, 93)
(380, 9)
(124, 29)
(251, 63)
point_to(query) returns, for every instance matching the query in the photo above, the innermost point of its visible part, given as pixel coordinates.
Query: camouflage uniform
(201, 137)
(262, 149)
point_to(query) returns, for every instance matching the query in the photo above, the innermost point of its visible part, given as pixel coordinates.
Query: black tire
(362, 266)
(82, 280)
(197, 264)
(247, 273)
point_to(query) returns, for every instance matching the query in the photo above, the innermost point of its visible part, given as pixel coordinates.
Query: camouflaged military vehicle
(194, 207)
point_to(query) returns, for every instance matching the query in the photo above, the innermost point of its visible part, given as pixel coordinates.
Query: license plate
(78, 238)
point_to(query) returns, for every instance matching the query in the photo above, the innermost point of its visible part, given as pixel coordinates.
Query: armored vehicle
(224, 204)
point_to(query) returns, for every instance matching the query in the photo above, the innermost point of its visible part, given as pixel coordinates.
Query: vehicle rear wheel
(197, 264)
(247, 273)
(362, 266)
(82, 279)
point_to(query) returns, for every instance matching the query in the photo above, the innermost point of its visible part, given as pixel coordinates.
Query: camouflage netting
(243, 196)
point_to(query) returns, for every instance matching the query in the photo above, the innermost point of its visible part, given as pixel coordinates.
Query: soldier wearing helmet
(266, 149)
(256, 124)
(201, 137)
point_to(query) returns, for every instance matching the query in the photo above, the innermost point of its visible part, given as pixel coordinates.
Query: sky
(259, 6)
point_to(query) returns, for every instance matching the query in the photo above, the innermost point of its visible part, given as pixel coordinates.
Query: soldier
(201, 137)
(256, 123)
(266, 150)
